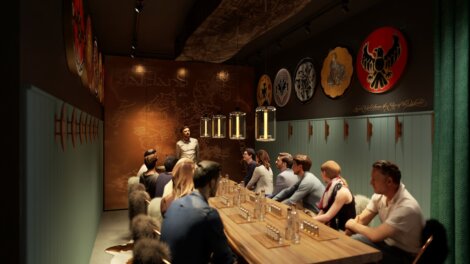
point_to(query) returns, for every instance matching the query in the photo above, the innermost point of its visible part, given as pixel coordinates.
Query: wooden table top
(249, 239)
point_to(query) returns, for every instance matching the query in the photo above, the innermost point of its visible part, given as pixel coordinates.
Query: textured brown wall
(147, 110)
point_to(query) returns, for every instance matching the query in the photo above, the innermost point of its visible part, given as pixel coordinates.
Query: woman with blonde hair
(180, 185)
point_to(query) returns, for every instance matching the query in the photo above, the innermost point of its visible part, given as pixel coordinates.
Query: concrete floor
(113, 230)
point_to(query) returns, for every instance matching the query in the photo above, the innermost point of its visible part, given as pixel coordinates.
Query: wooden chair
(423, 249)
(434, 243)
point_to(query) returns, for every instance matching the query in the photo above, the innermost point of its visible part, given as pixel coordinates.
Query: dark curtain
(450, 174)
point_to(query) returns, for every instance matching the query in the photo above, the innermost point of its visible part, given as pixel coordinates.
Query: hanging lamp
(219, 126)
(205, 126)
(237, 124)
(265, 123)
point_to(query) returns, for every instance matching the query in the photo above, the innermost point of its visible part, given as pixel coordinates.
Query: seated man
(398, 235)
(249, 157)
(166, 176)
(143, 168)
(308, 188)
(286, 178)
(192, 228)
(149, 178)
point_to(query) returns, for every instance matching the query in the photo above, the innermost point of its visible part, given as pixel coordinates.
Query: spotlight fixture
(139, 5)
(132, 54)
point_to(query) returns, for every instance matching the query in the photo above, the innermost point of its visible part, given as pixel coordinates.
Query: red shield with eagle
(381, 59)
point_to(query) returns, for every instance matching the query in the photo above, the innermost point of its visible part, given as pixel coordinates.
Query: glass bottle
(262, 200)
(295, 225)
(257, 211)
(289, 224)
(242, 192)
(237, 196)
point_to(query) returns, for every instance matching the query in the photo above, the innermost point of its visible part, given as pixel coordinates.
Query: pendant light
(205, 126)
(237, 118)
(237, 124)
(218, 125)
(265, 123)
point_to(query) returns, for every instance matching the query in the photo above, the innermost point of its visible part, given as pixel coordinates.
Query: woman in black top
(337, 204)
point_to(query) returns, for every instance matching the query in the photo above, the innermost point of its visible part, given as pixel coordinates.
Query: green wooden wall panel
(64, 189)
(412, 151)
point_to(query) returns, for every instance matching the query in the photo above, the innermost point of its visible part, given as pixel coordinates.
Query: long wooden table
(331, 247)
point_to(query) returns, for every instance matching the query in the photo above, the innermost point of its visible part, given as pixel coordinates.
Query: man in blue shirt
(308, 190)
(192, 228)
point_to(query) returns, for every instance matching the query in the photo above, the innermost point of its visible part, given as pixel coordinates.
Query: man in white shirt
(187, 147)
(398, 236)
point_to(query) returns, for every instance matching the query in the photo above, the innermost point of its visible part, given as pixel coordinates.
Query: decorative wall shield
(100, 92)
(74, 34)
(381, 59)
(89, 55)
(282, 87)
(96, 69)
(305, 80)
(336, 72)
(264, 92)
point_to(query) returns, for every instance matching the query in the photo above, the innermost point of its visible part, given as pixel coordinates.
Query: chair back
(434, 241)
(422, 250)
(361, 202)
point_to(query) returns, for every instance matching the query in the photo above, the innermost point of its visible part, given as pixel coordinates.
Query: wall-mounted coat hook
(398, 129)
(60, 129)
(289, 130)
(88, 128)
(369, 130)
(73, 127)
(96, 126)
(82, 128)
(345, 129)
(310, 130)
(327, 130)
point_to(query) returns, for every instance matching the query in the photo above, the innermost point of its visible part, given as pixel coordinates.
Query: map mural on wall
(149, 101)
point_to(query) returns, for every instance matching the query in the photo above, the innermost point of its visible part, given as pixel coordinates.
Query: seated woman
(337, 203)
(262, 178)
(180, 185)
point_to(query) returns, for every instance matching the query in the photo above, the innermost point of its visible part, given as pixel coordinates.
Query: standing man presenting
(187, 147)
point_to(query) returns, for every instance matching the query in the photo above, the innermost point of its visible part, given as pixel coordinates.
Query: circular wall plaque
(282, 87)
(336, 72)
(265, 90)
(88, 77)
(381, 59)
(305, 80)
